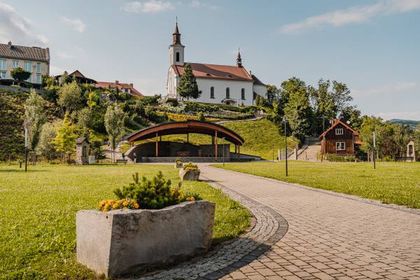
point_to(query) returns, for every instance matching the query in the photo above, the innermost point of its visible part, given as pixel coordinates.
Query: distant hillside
(406, 122)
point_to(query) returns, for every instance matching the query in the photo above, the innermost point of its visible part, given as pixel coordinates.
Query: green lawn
(37, 214)
(397, 183)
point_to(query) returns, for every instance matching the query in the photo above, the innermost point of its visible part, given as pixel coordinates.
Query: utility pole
(26, 147)
(285, 144)
(374, 150)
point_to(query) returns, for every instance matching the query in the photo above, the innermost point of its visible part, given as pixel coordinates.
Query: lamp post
(285, 144)
(374, 149)
(26, 146)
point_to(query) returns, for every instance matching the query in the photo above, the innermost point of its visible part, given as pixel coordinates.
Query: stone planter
(121, 242)
(189, 175)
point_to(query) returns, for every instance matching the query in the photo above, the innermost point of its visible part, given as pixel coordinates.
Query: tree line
(309, 110)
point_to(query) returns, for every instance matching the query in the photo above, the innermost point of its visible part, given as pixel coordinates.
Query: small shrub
(154, 194)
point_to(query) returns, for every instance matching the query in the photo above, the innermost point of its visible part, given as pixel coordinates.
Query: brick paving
(305, 233)
(330, 236)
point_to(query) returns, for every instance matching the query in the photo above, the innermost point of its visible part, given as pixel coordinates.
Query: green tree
(297, 110)
(84, 121)
(46, 145)
(70, 97)
(188, 87)
(65, 140)
(20, 75)
(341, 95)
(114, 124)
(273, 93)
(34, 117)
(324, 106)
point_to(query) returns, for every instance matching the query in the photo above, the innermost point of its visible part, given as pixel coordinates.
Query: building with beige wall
(35, 60)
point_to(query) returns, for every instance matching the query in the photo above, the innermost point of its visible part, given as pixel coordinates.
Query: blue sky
(373, 45)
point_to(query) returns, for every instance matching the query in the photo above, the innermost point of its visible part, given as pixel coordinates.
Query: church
(219, 84)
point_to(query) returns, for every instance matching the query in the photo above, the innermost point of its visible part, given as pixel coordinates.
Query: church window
(243, 94)
(212, 92)
(177, 56)
(227, 93)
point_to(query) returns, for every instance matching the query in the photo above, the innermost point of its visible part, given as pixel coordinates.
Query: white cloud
(353, 15)
(75, 24)
(14, 27)
(397, 88)
(200, 4)
(149, 6)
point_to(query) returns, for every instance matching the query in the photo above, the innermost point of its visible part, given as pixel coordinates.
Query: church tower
(176, 50)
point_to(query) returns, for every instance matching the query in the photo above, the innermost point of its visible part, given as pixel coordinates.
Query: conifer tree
(188, 87)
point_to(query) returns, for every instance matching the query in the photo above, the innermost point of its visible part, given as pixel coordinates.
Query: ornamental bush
(154, 194)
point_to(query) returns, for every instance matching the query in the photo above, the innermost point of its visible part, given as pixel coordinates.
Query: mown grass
(37, 214)
(397, 183)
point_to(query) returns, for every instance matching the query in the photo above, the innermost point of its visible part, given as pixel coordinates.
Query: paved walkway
(330, 236)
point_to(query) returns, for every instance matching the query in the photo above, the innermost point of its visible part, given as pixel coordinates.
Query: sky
(373, 45)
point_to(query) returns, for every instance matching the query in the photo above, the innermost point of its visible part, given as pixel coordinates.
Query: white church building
(228, 84)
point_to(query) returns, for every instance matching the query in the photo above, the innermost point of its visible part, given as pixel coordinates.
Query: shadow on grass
(21, 171)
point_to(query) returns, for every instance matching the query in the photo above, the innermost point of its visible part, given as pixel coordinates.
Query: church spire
(176, 36)
(239, 59)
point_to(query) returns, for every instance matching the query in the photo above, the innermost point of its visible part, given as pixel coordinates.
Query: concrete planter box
(121, 242)
(189, 175)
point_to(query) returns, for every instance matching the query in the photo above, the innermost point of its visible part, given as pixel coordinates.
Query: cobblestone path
(305, 233)
(330, 236)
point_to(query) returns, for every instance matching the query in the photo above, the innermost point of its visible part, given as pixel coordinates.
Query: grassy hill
(262, 137)
(11, 127)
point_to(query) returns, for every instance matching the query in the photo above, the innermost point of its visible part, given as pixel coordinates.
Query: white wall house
(229, 84)
(31, 59)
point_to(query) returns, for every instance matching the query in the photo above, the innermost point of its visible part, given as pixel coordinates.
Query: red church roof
(215, 71)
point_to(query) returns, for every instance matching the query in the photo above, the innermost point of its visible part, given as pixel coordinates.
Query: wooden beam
(215, 144)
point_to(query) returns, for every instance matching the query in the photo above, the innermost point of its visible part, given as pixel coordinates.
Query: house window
(2, 74)
(340, 146)
(339, 131)
(2, 64)
(177, 56)
(212, 92)
(243, 94)
(227, 93)
(38, 67)
(15, 63)
(38, 78)
(28, 66)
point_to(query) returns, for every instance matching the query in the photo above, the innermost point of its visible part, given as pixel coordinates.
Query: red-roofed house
(124, 87)
(231, 84)
(339, 139)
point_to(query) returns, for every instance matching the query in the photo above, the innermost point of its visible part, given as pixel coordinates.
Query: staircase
(310, 150)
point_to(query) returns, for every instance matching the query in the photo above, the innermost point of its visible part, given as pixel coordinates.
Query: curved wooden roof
(185, 127)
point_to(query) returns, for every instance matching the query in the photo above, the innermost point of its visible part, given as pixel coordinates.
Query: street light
(285, 144)
(25, 127)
